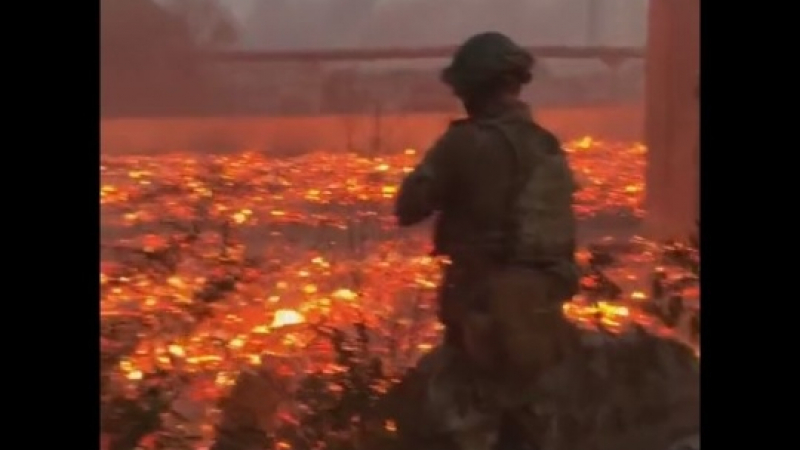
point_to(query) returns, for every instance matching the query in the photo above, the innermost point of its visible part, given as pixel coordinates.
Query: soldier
(503, 191)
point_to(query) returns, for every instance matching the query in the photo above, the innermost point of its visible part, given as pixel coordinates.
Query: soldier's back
(488, 154)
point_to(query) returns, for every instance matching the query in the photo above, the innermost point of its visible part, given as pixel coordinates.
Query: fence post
(672, 117)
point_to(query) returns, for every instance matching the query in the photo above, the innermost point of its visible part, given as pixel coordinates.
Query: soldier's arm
(423, 190)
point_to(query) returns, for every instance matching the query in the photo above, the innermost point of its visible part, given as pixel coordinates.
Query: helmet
(486, 59)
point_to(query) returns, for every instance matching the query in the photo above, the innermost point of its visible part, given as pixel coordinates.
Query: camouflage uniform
(503, 193)
(512, 369)
(472, 177)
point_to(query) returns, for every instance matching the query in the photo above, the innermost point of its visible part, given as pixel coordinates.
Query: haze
(288, 24)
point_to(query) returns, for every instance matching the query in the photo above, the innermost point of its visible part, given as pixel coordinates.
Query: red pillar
(672, 117)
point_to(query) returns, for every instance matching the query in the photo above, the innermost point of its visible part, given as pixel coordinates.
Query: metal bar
(564, 52)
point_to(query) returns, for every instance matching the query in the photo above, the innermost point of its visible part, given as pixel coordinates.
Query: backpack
(518, 330)
(541, 223)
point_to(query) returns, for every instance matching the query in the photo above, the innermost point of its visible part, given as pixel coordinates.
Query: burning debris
(246, 271)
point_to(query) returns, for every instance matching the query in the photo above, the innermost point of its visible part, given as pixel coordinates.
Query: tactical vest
(541, 224)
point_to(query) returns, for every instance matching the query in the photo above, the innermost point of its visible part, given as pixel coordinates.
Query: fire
(284, 317)
(389, 191)
(584, 143)
(239, 218)
(177, 350)
(176, 282)
(344, 294)
(289, 190)
(307, 242)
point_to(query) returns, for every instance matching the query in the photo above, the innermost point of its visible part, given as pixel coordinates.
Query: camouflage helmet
(485, 59)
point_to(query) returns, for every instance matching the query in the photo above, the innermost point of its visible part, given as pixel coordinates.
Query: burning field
(218, 266)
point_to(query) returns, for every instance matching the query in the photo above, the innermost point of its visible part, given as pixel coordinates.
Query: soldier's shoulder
(543, 132)
(546, 139)
(464, 121)
(458, 133)
(461, 127)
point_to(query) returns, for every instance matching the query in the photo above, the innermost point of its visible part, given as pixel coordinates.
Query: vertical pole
(672, 117)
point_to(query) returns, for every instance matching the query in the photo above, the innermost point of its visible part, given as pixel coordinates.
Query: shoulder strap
(520, 177)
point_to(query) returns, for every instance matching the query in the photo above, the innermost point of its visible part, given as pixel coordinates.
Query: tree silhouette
(150, 57)
(210, 24)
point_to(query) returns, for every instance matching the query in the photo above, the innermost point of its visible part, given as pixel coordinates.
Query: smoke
(151, 58)
(293, 24)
